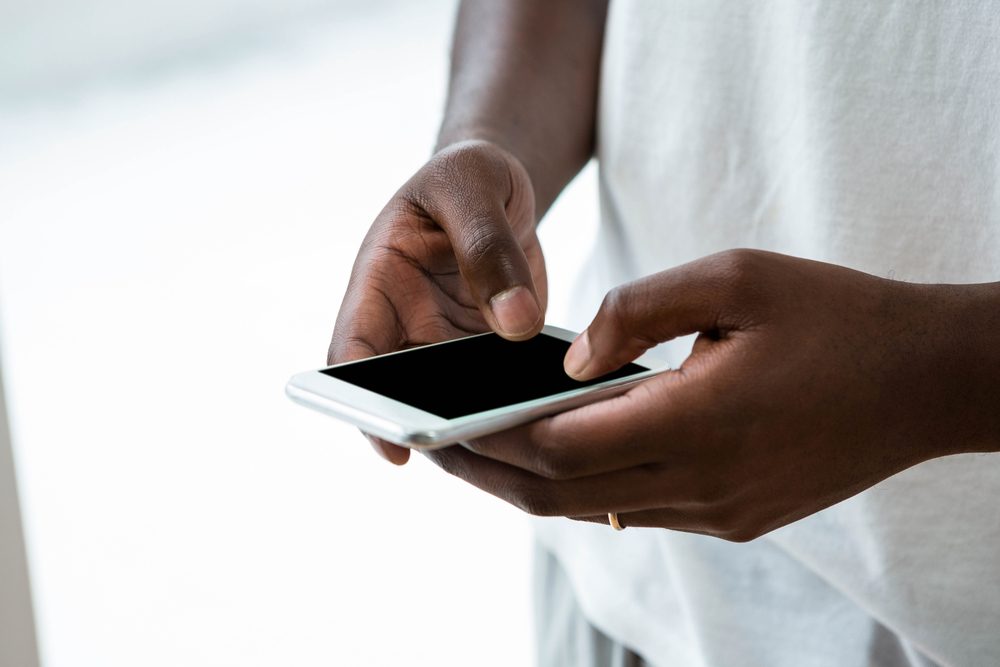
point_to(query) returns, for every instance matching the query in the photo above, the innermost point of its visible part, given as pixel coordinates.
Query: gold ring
(613, 520)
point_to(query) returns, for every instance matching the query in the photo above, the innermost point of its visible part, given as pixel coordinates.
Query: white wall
(172, 247)
(55, 48)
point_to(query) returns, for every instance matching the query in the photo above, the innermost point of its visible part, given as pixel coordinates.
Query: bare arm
(524, 76)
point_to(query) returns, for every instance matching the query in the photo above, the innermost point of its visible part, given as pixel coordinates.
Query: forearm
(524, 75)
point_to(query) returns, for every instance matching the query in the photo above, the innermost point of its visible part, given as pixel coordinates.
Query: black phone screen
(471, 375)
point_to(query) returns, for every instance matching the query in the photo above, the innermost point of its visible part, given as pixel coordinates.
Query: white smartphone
(440, 394)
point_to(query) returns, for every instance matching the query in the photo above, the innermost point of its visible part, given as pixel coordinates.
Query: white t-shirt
(861, 133)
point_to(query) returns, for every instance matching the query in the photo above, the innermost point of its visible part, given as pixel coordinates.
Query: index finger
(367, 325)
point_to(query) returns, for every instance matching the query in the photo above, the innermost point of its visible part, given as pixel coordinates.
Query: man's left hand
(807, 384)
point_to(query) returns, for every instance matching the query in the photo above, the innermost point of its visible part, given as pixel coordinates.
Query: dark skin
(808, 382)
(461, 231)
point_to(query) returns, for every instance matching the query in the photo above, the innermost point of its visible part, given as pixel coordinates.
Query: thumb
(478, 196)
(639, 315)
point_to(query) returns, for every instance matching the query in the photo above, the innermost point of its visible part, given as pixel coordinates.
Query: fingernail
(578, 355)
(515, 310)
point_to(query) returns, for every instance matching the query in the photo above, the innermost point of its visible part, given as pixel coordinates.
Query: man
(837, 419)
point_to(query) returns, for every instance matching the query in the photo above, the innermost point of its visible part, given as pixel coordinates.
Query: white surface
(170, 252)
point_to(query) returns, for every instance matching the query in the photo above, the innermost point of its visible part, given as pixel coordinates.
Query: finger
(473, 199)
(695, 297)
(621, 491)
(392, 453)
(638, 427)
(657, 518)
(367, 325)
(699, 522)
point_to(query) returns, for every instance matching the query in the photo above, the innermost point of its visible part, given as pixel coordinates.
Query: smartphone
(440, 394)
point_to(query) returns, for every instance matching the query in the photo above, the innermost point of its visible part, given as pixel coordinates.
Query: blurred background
(183, 187)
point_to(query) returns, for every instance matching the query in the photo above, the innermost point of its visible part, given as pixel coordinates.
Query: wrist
(967, 354)
(451, 135)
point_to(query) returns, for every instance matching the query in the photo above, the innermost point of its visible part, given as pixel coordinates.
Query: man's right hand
(453, 253)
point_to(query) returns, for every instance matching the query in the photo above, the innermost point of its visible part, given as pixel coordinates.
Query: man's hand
(455, 251)
(452, 254)
(807, 384)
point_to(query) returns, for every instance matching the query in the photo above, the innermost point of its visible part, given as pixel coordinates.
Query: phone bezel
(411, 427)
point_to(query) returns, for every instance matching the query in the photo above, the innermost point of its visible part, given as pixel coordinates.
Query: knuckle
(484, 241)
(737, 269)
(614, 302)
(456, 179)
(738, 260)
(348, 347)
(419, 194)
(479, 155)
(741, 535)
(622, 309)
(617, 306)
(469, 167)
